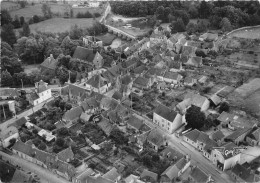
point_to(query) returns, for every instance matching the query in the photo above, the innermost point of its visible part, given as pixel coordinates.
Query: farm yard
(248, 33)
(56, 25)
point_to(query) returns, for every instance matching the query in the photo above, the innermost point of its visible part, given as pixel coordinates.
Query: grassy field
(56, 25)
(9, 5)
(253, 33)
(60, 9)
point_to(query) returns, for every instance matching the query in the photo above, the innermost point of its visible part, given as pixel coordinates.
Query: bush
(97, 14)
(84, 15)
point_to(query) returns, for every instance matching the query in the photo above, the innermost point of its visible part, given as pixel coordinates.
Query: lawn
(250, 33)
(56, 25)
(29, 11)
(9, 5)
(107, 38)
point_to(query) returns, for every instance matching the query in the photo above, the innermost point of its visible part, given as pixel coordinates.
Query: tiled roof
(42, 86)
(166, 113)
(112, 174)
(218, 135)
(66, 154)
(198, 100)
(8, 132)
(244, 173)
(97, 179)
(97, 81)
(20, 122)
(126, 79)
(198, 175)
(142, 81)
(171, 75)
(90, 104)
(215, 99)
(238, 133)
(140, 69)
(115, 70)
(84, 54)
(106, 126)
(50, 63)
(193, 135)
(155, 72)
(135, 122)
(73, 114)
(188, 49)
(156, 138)
(226, 117)
(148, 175)
(117, 95)
(21, 176)
(194, 61)
(34, 96)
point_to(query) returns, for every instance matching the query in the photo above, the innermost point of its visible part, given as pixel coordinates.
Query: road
(196, 157)
(25, 113)
(120, 31)
(44, 175)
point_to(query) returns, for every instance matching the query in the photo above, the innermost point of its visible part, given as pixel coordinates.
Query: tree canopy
(195, 118)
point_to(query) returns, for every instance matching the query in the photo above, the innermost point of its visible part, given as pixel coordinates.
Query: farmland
(56, 25)
(248, 33)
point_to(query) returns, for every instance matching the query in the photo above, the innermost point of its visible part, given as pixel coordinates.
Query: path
(45, 175)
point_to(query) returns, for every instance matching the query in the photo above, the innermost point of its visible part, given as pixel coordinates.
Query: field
(56, 25)
(253, 33)
(9, 6)
(60, 9)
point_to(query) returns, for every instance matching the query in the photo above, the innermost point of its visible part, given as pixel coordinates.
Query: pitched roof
(194, 61)
(198, 100)
(20, 122)
(155, 72)
(50, 63)
(97, 179)
(171, 75)
(155, 137)
(66, 154)
(140, 69)
(198, 175)
(126, 79)
(226, 117)
(135, 122)
(244, 173)
(166, 113)
(192, 135)
(188, 50)
(90, 104)
(115, 70)
(238, 133)
(84, 54)
(142, 81)
(215, 99)
(8, 132)
(73, 114)
(21, 176)
(117, 95)
(106, 126)
(97, 81)
(218, 135)
(112, 174)
(148, 175)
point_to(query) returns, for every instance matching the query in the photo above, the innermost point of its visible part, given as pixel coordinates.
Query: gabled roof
(171, 75)
(117, 95)
(73, 114)
(84, 54)
(194, 61)
(130, 62)
(21, 176)
(215, 99)
(115, 70)
(90, 104)
(155, 137)
(244, 173)
(50, 63)
(192, 135)
(66, 154)
(135, 122)
(97, 81)
(142, 81)
(106, 126)
(238, 133)
(166, 113)
(218, 135)
(172, 154)
(155, 72)
(126, 79)
(226, 117)
(109, 103)
(20, 122)
(140, 69)
(188, 50)
(112, 174)
(198, 100)
(198, 175)
(148, 176)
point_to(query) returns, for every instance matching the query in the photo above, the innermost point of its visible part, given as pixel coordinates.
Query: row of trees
(87, 15)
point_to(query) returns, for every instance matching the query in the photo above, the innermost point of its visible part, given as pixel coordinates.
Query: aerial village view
(130, 91)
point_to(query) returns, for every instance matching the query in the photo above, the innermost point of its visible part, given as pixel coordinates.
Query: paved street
(25, 113)
(45, 175)
(197, 158)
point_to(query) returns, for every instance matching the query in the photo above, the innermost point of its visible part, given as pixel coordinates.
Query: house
(218, 136)
(82, 177)
(41, 94)
(141, 139)
(208, 37)
(198, 175)
(253, 138)
(106, 126)
(189, 50)
(112, 175)
(172, 77)
(118, 96)
(191, 137)
(194, 61)
(97, 178)
(149, 176)
(90, 105)
(6, 93)
(139, 71)
(134, 123)
(167, 119)
(226, 156)
(175, 170)
(215, 100)
(142, 83)
(156, 74)
(22, 176)
(130, 64)
(20, 122)
(171, 154)
(66, 155)
(49, 64)
(89, 56)
(171, 42)
(161, 86)
(6, 135)
(189, 81)
(239, 135)
(133, 179)
(98, 84)
(200, 101)
(72, 115)
(108, 103)
(241, 173)
(156, 140)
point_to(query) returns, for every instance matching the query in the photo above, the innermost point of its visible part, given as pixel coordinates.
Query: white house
(41, 94)
(172, 77)
(93, 4)
(167, 119)
(98, 84)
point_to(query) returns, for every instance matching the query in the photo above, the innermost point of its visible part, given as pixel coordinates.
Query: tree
(22, 4)
(42, 146)
(36, 19)
(60, 142)
(68, 106)
(7, 34)
(193, 12)
(225, 25)
(46, 10)
(204, 9)
(62, 105)
(68, 46)
(6, 79)
(5, 17)
(223, 107)
(183, 15)
(191, 28)
(12, 141)
(63, 132)
(16, 22)
(118, 136)
(26, 30)
(200, 53)
(147, 161)
(76, 32)
(195, 118)
(11, 64)
(178, 26)
(202, 27)
(36, 142)
(22, 20)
